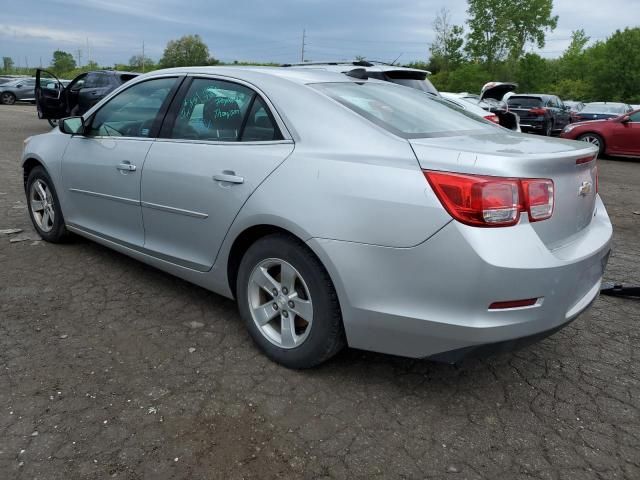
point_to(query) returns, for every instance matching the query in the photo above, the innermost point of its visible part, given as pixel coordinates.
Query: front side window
(405, 112)
(132, 112)
(635, 117)
(217, 110)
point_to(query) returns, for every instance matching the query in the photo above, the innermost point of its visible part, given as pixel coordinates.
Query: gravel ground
(111, 369)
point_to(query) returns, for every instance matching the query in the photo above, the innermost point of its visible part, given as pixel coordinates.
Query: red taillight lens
(538, 111)
(477, 200)
(484, 201)
(538, 194)
(513, 304)
(492, 118)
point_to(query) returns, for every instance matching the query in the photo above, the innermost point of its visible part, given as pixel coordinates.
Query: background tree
(187, 51)
(7, 64)
(446, 49)
(136, 64)
(501, 28)
(62, 62)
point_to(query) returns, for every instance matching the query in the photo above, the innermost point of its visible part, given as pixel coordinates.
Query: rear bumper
(533, 124)
(434, 298)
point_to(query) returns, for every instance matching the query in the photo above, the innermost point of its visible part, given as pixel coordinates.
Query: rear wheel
(594, 139)
(288, 303)
(7, 98)
(548, 128)
(44, 207)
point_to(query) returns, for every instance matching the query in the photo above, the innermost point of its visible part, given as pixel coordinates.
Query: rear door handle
(126, 167)
(228, 176)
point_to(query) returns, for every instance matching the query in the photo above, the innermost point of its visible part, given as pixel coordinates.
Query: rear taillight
(483, 201)
(538, 198)
(538, 111)
(492, 118)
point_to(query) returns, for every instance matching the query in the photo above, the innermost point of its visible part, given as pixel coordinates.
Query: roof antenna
(397, 58)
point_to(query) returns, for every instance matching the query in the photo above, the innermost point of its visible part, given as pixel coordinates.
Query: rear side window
(524, 102)
(221, 111)
(406, 112)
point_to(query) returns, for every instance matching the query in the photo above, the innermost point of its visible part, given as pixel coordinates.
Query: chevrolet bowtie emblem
(585, 189)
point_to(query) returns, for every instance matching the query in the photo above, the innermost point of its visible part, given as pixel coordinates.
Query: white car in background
(477, 107)
(469, 106)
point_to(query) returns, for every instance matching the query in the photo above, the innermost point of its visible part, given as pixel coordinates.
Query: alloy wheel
(8, 99)
(592, 140)
(280, 303)
(42, 206)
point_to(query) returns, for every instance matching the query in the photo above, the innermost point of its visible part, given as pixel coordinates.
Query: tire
(595, 140)
(39, 187)
(548, 128)
(312, 310)
(7, 98)
(53, 122)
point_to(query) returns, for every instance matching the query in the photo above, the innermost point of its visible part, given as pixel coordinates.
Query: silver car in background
(22, 89)
(335, 210)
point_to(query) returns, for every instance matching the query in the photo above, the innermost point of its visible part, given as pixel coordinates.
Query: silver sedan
(335, 210)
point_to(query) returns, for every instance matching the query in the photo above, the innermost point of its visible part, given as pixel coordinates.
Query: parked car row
(337, 209)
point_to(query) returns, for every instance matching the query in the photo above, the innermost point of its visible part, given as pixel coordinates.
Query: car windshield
(524, 102)
(603, 108)
(405, 112)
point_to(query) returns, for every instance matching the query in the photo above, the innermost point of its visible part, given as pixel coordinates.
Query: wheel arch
(597, 134)
(243, 241)
(28, 165)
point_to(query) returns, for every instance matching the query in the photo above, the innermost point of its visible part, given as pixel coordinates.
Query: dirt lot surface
(111, 369)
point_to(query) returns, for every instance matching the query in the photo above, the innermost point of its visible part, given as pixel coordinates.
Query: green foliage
(446, 49)
(187, 51)
(500, 29)
(138, 63)
(62, 62)
(7, 64)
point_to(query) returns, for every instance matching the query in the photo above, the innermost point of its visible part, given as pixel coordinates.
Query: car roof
(341, 67)
(301, 76)
(606, 103)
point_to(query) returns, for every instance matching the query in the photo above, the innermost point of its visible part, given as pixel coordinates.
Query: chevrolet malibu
(335, 210)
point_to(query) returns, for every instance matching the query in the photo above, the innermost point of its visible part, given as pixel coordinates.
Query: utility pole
(142, 56)
(79, 58)
(26, 61)
(304, 37)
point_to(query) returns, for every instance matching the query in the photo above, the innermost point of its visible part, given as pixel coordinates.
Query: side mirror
(625, 119)
(72, 126)
(19, 85)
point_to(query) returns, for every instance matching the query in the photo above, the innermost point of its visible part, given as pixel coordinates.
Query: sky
(111, 31)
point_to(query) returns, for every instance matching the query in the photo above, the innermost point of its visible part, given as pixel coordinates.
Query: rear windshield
(603, 108)
(417, 80)
(405, 112)
(524, 102)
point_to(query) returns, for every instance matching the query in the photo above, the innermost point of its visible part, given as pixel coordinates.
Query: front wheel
(288, 303)
(7, 98)
(594, 139)
(44, 207)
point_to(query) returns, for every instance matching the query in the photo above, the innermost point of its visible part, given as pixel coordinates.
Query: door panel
(626, 138)
(50, 95)
(189, 199)
(103, 193)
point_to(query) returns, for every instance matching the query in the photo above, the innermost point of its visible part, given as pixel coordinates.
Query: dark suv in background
(54, 100)
(540, 113)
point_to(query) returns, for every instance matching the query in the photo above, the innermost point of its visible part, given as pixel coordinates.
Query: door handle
(126, 167)
(228, 176)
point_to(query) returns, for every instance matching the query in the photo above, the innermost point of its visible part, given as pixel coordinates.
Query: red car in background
(618, 136)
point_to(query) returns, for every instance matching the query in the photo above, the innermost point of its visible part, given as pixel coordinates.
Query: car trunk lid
(569, 164)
